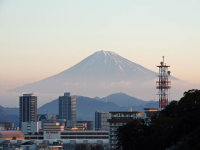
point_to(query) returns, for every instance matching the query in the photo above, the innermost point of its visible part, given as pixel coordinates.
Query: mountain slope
(86, 106)
(123, 100)
(9, 114)
(107, 65)
(100, 74)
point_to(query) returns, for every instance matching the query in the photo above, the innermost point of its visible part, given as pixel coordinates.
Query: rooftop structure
(89, 124)
(151, 112)
(53, 126)
(30, 127)
(78, 137)
(11, 135)
(6, 125)
(81, 126)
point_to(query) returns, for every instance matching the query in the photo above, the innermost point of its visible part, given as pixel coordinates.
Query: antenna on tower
(163, 60)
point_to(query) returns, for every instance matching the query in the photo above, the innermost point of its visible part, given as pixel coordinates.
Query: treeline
(177, 127)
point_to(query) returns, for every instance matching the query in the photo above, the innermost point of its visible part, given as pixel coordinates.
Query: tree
(175, 127)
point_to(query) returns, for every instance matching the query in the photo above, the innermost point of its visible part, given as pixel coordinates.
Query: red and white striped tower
(163, 84)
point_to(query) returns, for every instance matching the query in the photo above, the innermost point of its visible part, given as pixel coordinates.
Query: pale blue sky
(40, 38)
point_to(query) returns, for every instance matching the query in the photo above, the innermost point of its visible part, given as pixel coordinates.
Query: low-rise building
(11, 135)
(150, 112)
(53, 126)
(29, 145)
(81, 126)
(84, 125)
(37, 136)
(6, 125)
(30, 127)
(79, 137)
(119, 119)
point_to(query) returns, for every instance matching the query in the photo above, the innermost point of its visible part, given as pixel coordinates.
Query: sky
(40, 38)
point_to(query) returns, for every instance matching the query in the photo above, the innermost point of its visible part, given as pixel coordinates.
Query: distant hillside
(123, 100)
(9, 114)
(86, 107)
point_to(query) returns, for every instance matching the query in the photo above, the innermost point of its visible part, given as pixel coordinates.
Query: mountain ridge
(101, 73)
(86, 107)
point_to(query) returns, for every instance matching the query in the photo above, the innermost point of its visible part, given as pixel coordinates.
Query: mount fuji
(100, 74)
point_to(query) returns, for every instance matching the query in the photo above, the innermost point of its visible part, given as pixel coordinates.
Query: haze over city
(39, 39)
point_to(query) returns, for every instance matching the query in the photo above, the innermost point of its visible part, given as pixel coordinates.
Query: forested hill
(176, 128)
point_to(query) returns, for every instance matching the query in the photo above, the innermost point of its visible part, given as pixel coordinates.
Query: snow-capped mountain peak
(101, 73)
(107, 53)
(109, 64)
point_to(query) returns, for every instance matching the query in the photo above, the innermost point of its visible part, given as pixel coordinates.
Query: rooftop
(125, 112)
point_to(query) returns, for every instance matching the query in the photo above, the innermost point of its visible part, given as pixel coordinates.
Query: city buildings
(87, 124)
(65, 128)
(67, 109)
(30, 127)
(30, 145)
(62, 130)
(101, 121)
(37, 136)
(150, 112)
(119, 119)
(45, 118)
(27, 108)
(85, 137)
(6, 125)
(81, 126)
(11, 135)
(53, 126)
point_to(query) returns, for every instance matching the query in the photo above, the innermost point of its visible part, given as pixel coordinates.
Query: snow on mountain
(100, 74)
(107, 65)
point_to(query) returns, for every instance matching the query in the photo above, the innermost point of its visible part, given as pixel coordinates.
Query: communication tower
(163, 84)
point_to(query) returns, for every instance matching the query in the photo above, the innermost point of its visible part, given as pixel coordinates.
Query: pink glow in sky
(42, 38)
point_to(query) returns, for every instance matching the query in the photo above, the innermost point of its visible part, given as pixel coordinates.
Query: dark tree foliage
(136, 128)
(177, 127)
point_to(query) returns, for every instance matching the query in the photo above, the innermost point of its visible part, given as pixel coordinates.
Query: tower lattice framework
(163, 84)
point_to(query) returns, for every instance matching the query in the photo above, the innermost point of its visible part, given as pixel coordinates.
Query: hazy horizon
(39, 39)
